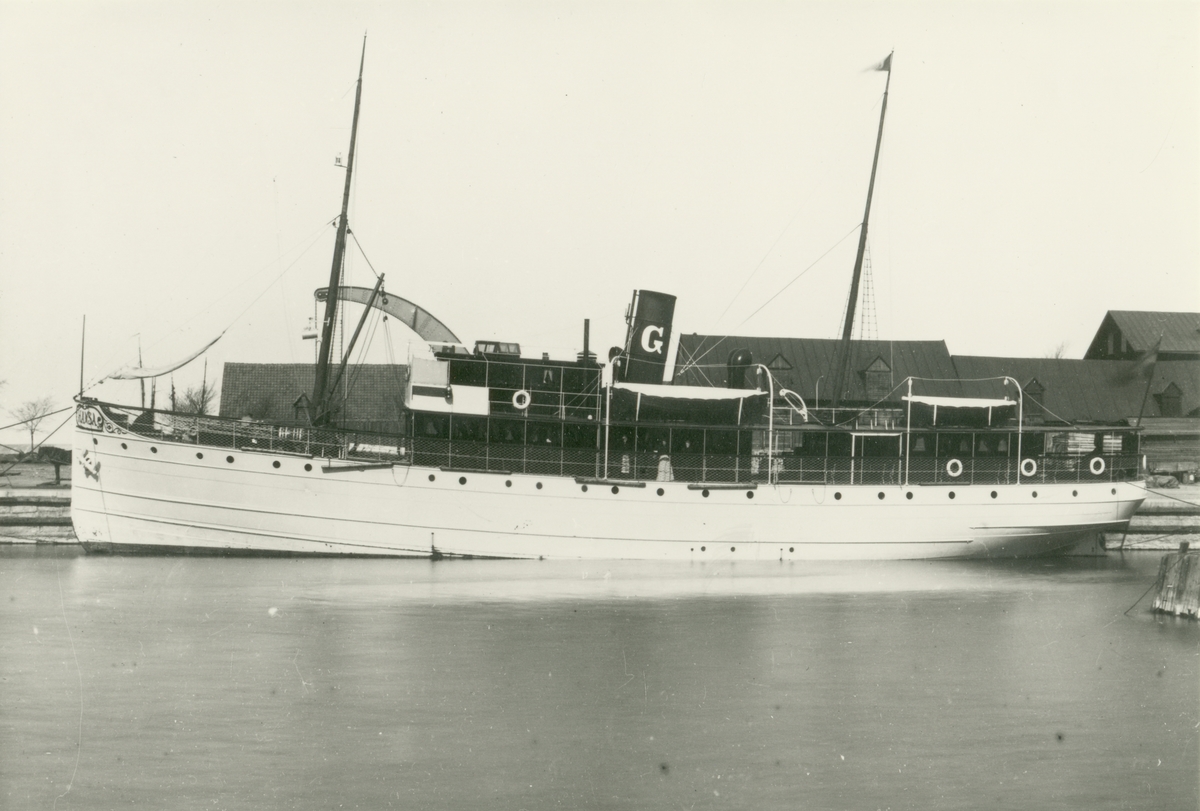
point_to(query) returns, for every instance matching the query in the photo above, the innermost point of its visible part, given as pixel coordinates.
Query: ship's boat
(501, 455)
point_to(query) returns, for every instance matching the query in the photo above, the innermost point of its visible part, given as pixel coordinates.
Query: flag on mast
(886, 64)
(1144, 366)
(1141, 366)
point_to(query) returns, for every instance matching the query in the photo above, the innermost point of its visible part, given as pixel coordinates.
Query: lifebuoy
(1028, 467)
(1096, 466)
(954, 468)
(520, 400)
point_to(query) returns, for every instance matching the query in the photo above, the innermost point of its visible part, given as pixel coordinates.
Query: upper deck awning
(688, 392)
(959, 402)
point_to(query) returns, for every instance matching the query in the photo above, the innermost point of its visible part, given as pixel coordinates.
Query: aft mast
(320, 398)
(842, 358)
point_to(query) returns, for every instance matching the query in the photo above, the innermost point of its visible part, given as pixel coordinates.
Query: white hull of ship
(131, 493)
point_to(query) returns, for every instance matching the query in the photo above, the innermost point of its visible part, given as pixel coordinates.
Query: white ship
(510, 457)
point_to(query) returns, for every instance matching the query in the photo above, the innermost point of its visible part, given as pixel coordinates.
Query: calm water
(192, 683)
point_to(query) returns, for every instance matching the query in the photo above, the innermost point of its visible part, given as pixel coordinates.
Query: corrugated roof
(1084, 390)
(268, 392)
(1180, 331)
(702, 362)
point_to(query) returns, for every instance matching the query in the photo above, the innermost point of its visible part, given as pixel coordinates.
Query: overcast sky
(167, 169)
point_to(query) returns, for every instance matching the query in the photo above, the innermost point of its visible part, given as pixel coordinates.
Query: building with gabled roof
(805, 365)
(1088, 391)
(1124, 334)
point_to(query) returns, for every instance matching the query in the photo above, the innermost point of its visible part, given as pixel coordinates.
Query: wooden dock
(1177, 590)
(1165, 519)
(36, 516)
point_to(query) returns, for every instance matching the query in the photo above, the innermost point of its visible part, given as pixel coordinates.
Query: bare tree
(1059, 351)
(198, 399)
(32, 413)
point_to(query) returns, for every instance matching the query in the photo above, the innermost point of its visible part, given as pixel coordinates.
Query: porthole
(951, 494)
(1075, 493)
(432, 477)
(97, 442)
(837, 496)
(275, 464)
(508, 483)
(704, 493)
(584, 488)
(881, 496)
(198, 455)
(229, 459)
(732, 548)
(153, 449)
(1035, 493)
(308, 468)
(659, 491)
(749, 494)
(615, 489)
(1114, 491)
(703, 548)
(538, 485)
(125, 447)
(908, 496)
(791, 549)
(462, 479)
(993, 494)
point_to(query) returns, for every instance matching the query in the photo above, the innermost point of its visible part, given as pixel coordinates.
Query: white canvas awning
(141, 373)
(960, 402)
(688, 392)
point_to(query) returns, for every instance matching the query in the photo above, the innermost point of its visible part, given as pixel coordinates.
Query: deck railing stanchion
(908, 431)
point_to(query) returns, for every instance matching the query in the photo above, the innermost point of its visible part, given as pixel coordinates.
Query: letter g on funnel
(652, 339)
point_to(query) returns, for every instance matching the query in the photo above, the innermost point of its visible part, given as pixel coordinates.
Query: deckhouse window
(510, 432)
(954, 445)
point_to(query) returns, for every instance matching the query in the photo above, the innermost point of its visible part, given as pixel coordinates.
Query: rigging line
(1154, 538)
(364, 253)
(246, 309)
(1164, 495)
(42, 417)
(362, 351)
(391, 352)
(312, 241)
(895, 388)
(52, 433)
(120, 349)
(1047, 410)
(801, 273)
(692, 362)
(1152, 585)
(766, 255)
(777, 294)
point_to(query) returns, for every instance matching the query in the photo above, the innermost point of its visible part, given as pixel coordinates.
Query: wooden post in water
(1177, 590)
